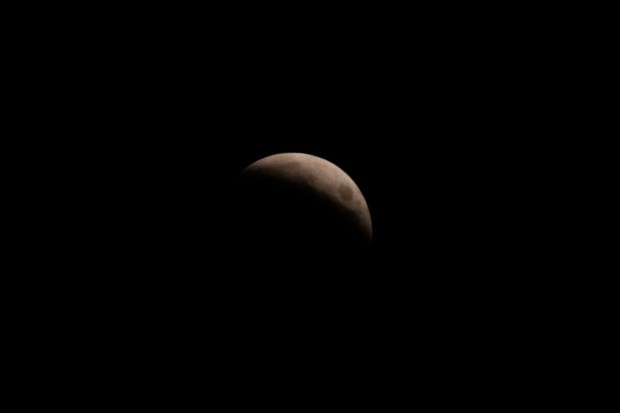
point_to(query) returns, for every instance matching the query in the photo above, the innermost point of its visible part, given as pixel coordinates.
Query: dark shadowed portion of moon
(295, 207)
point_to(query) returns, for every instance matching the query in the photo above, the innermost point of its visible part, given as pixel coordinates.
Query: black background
(442, 122)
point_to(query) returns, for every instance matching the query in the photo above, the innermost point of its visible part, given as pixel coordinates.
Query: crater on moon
(345, 192)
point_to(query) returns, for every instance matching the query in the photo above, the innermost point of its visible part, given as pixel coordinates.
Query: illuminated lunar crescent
(303, 196)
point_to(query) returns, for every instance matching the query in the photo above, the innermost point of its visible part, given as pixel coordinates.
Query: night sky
(437, 120)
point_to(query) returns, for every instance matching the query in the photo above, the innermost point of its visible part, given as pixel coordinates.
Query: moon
(297, 201)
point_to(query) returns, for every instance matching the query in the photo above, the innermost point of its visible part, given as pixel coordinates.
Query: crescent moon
(316, 181)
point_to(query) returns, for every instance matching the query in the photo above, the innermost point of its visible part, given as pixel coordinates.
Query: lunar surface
(300, 202)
